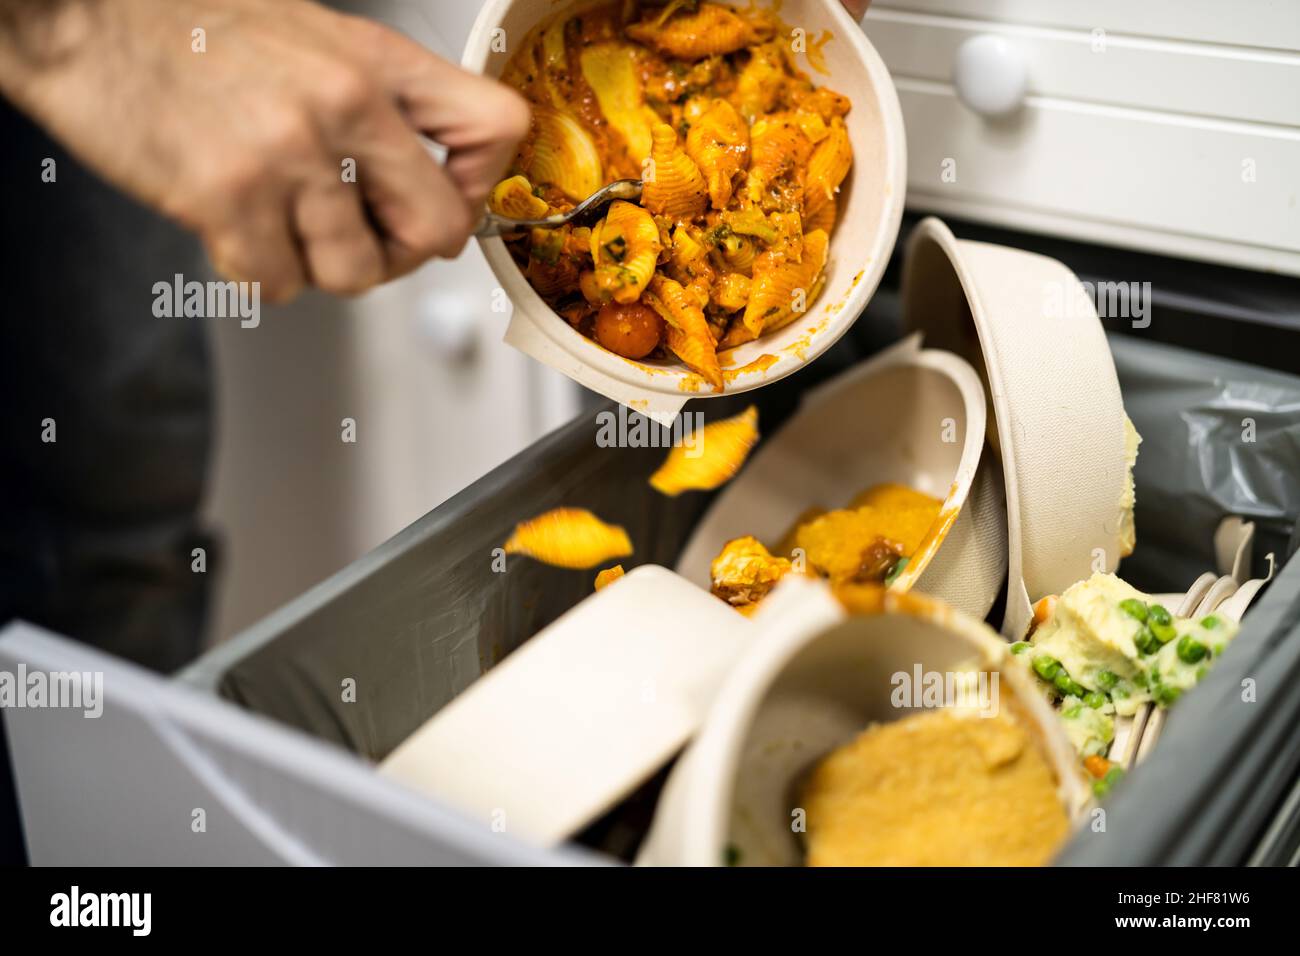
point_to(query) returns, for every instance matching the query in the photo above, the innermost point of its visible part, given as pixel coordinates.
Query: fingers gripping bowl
(817, 38)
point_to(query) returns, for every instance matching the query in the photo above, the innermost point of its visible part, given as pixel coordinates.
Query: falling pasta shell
(723, 447)
(609, 576)
(569, 538)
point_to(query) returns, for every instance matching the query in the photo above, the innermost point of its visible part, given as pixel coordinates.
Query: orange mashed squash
(935, 789)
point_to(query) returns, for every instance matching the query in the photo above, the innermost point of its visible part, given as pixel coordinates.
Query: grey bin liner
(418, 619)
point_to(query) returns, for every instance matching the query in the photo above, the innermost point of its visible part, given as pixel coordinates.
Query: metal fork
(584, 214)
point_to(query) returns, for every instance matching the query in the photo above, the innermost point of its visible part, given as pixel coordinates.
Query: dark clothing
(97, 527)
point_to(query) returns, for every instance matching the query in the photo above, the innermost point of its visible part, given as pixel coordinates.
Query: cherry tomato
(632, 331)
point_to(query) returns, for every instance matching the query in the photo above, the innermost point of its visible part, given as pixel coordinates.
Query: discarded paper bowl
(819, 674)
(579, 716)
(871, 205)
(1056, 418)
(908, 415)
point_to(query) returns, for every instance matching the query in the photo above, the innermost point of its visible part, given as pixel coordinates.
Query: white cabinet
(1172, 127)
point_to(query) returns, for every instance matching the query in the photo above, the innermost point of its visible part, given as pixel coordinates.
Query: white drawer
(1193, 78)
(1182, 148)
(1271, 24)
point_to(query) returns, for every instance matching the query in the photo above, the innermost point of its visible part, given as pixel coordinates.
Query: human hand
(246, 138)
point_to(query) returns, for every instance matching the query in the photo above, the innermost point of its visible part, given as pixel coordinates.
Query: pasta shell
(731, 292)
(610, 69)
(624, 248)
(609, 576)
(711, 459)
(514, 197)
(688, 262)
(561, 153)
(761, 81)
(827, 167)
(781, 288)
(823, 217)
(718, 142)
(778, 150)
(685, 34)
(569, 538)
(737, 252)
(674, 186)
(554, 61)
(686, 331)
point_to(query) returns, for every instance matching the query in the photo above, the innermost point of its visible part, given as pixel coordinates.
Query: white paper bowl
(885, 420)
(871, 205)
(572, 721)
(817, 676)
(1027, 325)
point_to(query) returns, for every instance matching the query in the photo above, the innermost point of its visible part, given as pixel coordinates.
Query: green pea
(1019, 647)
(1107, 680)
(1071, 712)
(1103, 786)
(1190, 650)
(1046, 667)
(1210, 622)
(1145, 641)
(1161, 624)
(1140, 680)
(1134, 609)
(1095, 699)
(1066, 685)
(1166, 696)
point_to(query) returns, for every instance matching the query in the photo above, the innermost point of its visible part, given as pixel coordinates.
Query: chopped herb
(616, 248)
(895, 571)
(1019, 647)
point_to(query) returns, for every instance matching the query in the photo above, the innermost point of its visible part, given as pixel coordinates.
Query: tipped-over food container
(823, 670)
(588, 709)
(1028, 326)
(908, 416)
(870, 204)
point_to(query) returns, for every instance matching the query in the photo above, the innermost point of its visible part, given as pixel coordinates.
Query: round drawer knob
(448, 323)
(990, 75)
